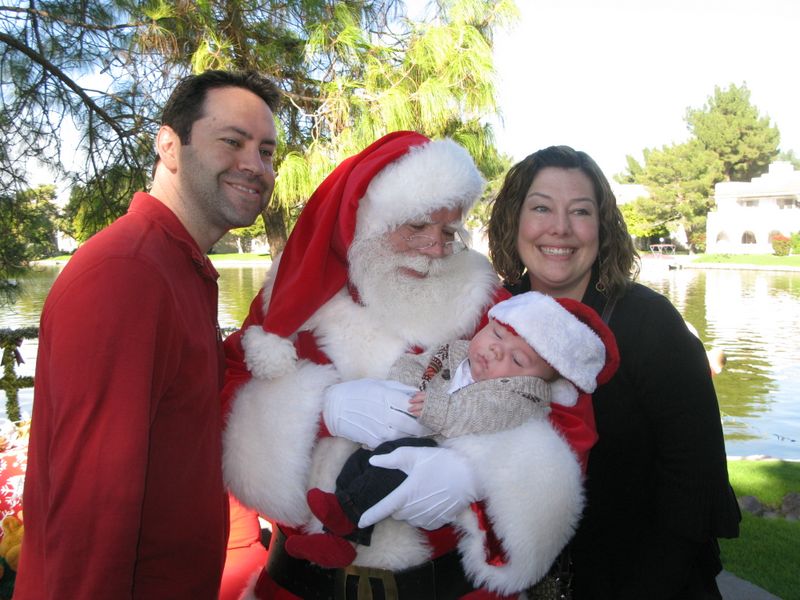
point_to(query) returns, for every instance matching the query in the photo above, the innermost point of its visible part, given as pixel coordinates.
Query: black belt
(439, 579)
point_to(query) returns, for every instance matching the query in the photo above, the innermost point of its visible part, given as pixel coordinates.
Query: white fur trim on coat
(439, 174)
(268, 440)
(534, 501)
(267, 355)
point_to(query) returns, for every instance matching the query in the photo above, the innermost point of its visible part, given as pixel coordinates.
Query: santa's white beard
(417, 305)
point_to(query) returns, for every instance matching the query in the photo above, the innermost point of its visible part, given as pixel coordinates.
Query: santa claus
(375, 268)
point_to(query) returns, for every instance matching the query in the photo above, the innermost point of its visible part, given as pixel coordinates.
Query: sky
(612, 77)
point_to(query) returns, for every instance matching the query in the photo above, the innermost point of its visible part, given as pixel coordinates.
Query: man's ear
(168, 146)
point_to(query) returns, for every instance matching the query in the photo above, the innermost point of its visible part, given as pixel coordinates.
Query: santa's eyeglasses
(420, 241)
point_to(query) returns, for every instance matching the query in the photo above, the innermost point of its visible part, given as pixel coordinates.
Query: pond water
(237, 287)
(753, 316)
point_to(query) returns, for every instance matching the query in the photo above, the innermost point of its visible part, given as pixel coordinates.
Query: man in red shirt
(124, 495)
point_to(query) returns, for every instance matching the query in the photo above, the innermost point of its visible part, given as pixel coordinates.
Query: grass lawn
(767, 550)
(750, 259)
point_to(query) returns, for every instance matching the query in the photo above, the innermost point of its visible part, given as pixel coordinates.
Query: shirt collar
(462, 377)
(159, 213)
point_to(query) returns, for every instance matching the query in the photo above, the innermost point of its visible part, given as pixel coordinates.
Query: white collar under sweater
(462, 377)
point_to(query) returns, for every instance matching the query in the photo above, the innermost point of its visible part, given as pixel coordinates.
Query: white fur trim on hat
(267, 355)
(570, 346)
(432, 176)
(563, 392)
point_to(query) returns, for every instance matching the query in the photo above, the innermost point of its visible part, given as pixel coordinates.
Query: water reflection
(237, 288)
(33, 290)
(754, 316)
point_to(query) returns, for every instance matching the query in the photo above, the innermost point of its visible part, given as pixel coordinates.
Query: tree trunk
(276, 229)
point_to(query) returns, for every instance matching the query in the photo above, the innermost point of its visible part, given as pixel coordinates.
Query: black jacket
(657, 485)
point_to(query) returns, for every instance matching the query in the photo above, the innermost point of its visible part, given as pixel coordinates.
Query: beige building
(749, 213)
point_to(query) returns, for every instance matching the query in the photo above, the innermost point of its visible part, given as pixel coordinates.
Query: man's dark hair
(185, 104)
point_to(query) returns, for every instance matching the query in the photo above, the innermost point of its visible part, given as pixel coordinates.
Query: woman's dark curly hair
(617, 260)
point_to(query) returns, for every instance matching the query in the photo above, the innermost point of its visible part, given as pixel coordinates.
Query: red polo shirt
(124, 495)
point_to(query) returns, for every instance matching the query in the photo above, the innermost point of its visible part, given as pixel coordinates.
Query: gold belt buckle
(364, 590)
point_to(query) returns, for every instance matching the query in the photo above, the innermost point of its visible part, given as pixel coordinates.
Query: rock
(790, 507)
(751, 505)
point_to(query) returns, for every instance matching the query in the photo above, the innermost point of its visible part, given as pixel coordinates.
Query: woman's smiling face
(559, 232)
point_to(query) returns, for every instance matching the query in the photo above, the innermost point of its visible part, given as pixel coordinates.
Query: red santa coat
(273, 453)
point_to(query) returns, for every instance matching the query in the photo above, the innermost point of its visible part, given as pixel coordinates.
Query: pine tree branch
(70, 22)
(65, 79)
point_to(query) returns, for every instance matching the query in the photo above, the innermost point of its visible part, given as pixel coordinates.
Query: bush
(796, 243)
(781, 245)
(697, 242)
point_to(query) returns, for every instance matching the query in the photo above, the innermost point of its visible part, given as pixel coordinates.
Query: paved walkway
(734, 588)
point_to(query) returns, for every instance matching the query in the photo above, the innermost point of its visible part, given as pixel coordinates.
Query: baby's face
(496, 352)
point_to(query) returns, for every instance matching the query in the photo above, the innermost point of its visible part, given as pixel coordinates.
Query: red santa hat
(569, 335)
(401, 177)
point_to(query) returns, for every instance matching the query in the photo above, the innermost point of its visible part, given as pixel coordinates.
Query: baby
(534, 350)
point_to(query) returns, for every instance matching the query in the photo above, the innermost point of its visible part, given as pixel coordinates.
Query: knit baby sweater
(485, 406)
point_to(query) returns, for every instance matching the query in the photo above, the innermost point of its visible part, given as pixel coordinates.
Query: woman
(657, 485)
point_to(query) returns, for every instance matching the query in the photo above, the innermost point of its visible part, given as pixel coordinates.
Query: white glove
(371, 411)
(439, 486)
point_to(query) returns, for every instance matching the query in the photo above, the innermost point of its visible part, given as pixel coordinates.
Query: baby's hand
(416, 403)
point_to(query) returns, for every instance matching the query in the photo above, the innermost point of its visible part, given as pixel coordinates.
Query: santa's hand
(371, 411)
(440, 484)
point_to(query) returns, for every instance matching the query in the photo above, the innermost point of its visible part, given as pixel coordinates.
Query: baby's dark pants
(361, 485)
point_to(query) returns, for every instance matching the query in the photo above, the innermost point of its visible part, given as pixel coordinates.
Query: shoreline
(679, 261)
(682, 261)
(761, 458)
(228, 262)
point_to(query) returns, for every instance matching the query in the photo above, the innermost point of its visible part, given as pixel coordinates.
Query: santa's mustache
(375, 265)
(426, 265)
